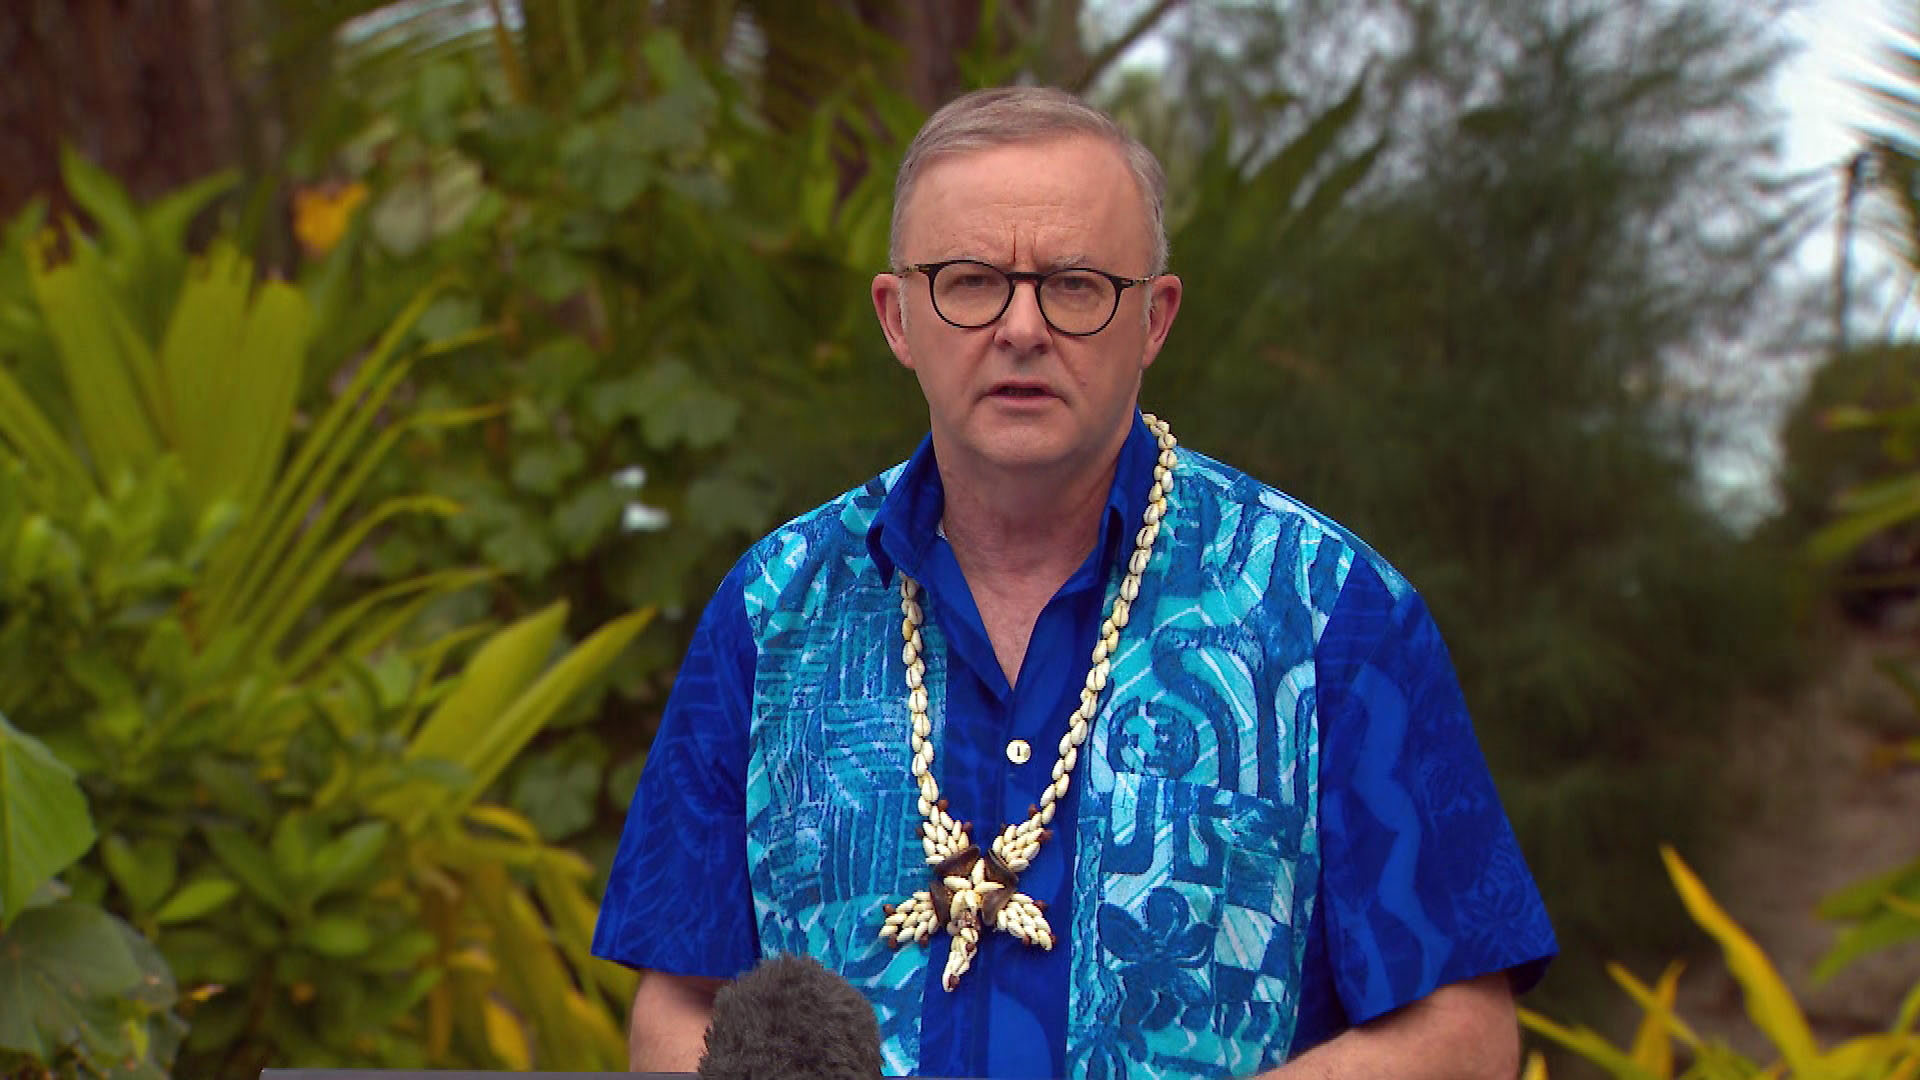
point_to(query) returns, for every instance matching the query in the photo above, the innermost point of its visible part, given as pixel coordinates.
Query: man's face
(1017, 395)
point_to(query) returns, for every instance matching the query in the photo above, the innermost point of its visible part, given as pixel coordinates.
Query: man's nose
(1022, 326)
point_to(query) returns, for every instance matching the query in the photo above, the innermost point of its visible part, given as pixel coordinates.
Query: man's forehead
(1066, 195)
(1030, 160)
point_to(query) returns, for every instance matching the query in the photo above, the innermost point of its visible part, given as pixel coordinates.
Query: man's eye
(1076, 283)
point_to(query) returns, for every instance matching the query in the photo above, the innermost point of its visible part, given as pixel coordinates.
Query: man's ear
(889, 304)
(1163, 303)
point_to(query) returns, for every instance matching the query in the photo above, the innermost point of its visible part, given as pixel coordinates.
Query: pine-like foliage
(1489, 363)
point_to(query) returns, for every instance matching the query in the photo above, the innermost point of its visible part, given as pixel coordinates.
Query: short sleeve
(1422, 883)
(678, 897)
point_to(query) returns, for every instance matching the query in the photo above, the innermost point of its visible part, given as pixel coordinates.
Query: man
(1078, 753)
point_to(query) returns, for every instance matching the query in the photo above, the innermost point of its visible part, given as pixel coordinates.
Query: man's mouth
(1015, 390)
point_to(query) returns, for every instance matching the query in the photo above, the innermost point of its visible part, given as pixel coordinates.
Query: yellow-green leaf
(1769, 1003)
(231, 361)
(106, 367)
(1653, 1041)
(509, 733)
(504, 820)
(1868, 1055)
(196, 898)
(1588, 1044)
(496, 675)
(506, 1039)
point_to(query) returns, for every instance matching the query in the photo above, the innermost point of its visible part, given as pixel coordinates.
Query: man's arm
(668, 1032)
(1465, 1031)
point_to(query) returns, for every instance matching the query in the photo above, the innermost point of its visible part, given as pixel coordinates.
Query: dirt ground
(1823, 817)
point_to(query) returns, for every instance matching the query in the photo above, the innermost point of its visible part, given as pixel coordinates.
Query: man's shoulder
(838, 525)
(1267, 511)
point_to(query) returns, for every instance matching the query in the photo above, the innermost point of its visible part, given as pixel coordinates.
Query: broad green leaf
(391, 1001)
(205, 894)
(337, 936)
(559, 789)
(296, 836)
(346, 856)
(44, 823)
(556, 369)
(209, 953)
(584, 518)
(673, 405)
(400, 952)
(144, 871)
(250, 863)
(58, 964)
(1769, 1003)
(725, 503)
(544, 467)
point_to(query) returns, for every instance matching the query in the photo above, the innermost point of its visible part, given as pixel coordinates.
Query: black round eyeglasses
(1077, 301)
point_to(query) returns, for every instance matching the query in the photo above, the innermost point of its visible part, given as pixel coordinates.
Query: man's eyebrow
(1064, 261)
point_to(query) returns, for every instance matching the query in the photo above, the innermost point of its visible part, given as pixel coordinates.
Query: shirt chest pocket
(1202, 893)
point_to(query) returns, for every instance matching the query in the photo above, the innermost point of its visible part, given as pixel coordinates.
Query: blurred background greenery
(385, 386)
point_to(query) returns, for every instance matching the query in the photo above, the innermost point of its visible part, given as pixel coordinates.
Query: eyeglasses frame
(1015, 278)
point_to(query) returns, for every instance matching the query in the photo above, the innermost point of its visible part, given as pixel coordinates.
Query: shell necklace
(974, 891)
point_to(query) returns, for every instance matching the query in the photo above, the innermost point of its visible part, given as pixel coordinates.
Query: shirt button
(1018, 751)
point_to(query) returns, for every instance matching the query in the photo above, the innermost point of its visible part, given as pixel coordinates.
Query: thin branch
(1113, 50)
(509, 55)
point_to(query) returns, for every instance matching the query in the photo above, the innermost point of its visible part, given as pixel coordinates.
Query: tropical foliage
(1651, 1055)
(325, 586)
(287, 790)
(1872, 434)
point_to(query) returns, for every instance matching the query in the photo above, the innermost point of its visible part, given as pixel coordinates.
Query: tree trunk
(141, 87)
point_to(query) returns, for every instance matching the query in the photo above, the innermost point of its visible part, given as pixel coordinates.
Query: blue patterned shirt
(1418, 882)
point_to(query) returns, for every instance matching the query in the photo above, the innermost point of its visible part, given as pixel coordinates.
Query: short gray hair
(1008, 115)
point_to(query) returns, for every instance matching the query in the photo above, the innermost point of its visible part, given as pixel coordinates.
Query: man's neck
(1034, 530)
(1017, 540)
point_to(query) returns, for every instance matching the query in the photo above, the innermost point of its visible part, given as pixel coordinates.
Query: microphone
(791, 1019)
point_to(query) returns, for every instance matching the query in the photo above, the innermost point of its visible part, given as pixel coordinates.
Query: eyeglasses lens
(975, 294)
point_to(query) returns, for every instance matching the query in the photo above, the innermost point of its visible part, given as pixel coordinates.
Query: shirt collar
(908, 521)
